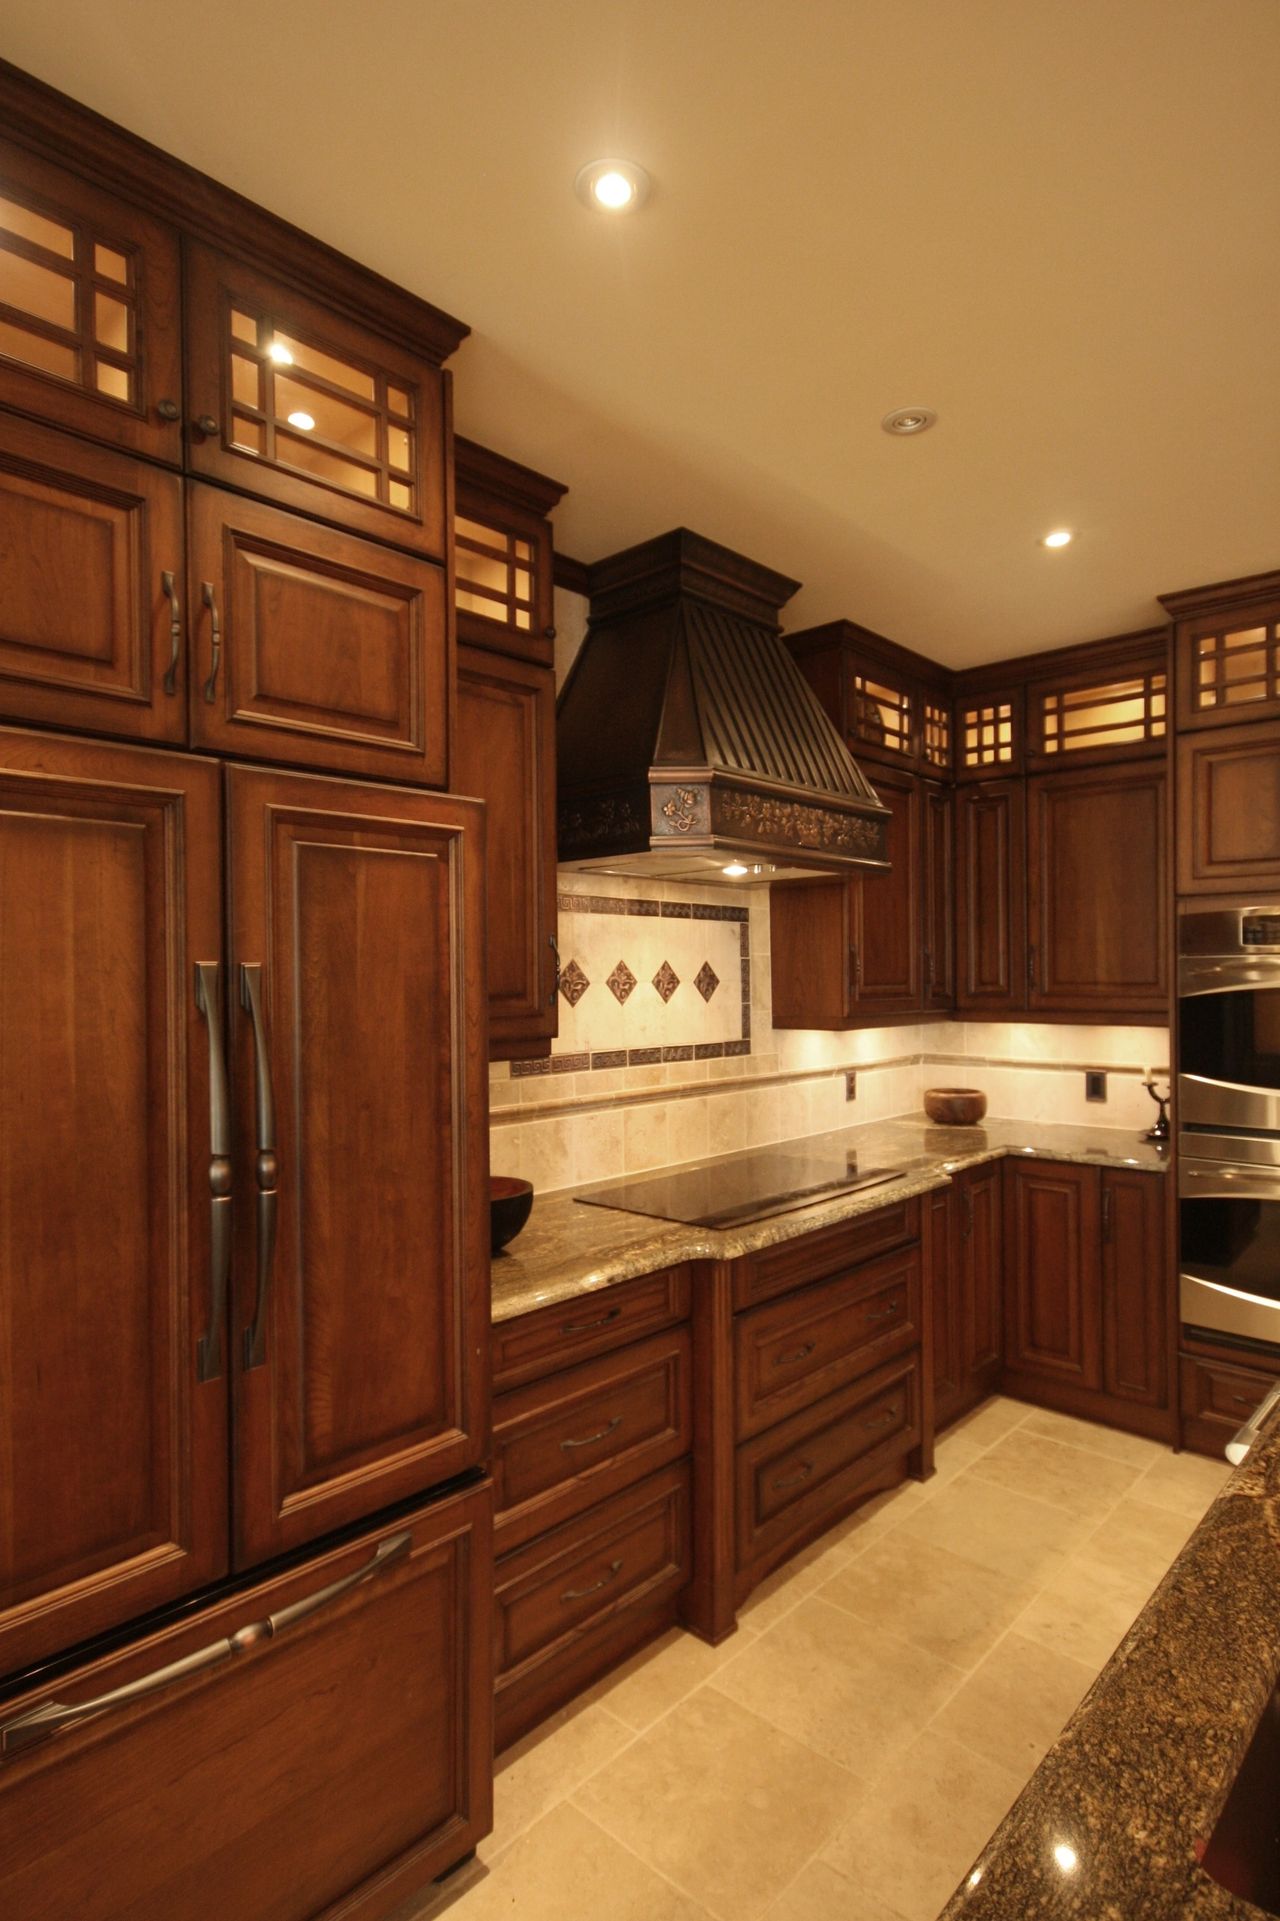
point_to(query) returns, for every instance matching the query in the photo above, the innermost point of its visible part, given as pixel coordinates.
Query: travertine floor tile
(1183, 1483)
(937, 1600)
(1138, 1540)
(990, 1422)
(565, 1868)
(1135, 1450)
(547, 1765)
(811, 1569)
(1066, 1477)
(653, 1681)
(1015, 1705)
(917, 1831)
(720, 1802)
(1025, 1539)
(1084, 1611)
(818, 1893)
(852, 1695)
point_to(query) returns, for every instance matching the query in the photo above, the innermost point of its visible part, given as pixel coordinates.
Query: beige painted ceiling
(1057, 224)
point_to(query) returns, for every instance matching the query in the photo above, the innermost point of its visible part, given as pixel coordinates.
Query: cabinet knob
(207, 424)
(548, 633)
(168, 409)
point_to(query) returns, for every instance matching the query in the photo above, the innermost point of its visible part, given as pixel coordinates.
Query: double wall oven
(1229, 1118)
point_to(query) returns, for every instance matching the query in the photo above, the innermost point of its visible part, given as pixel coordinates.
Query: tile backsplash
(646, 1073)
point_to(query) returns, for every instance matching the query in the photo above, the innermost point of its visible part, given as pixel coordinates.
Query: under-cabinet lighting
(735, 870)
(278, 352)
(303, 422)
(612, 186)
(1060, 537)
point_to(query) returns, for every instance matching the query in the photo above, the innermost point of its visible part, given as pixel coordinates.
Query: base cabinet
(314, 1747)
(966, 1272)
(1221, 1388)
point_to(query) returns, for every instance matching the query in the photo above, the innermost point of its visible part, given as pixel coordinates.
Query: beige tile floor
(847, 1753)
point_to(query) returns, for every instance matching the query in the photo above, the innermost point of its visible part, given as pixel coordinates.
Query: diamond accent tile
(573, 983)
(706, 980)
(621, 982)
(666, 980)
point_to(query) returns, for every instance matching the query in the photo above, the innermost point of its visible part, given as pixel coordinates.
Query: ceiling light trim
(599, 173)
(908, 421)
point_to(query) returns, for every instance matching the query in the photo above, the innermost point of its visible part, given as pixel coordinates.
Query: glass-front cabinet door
(290, 400)
(89, 335)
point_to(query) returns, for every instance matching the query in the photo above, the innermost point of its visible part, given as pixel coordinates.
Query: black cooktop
(748, 1188)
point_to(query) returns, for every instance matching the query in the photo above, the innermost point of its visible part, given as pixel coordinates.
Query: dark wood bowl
(510, 1204)
(955, 1106)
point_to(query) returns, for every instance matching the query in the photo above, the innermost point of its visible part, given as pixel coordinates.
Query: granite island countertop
(568, 1250)
(1107, 1826)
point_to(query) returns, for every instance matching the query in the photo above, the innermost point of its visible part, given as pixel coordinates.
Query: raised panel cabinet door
(1052, 1309)
(325, 1764)
(92, 621)
(1228, 796)
(813, 953)
(89, 310)
(314, 646)
(113, 1361)
(1097, 886)
(1135, 1286)
(937, 841)
(991, 924)
(942, 1280)
(886, 907)
(979, 1192)
(360, 1359)
(505, 750)
(287, 399)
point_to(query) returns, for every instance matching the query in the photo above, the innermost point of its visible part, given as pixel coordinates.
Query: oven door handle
(1227, 1180)
(1226, 974)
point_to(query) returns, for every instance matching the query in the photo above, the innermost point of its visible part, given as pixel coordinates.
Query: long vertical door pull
(265, 1166)
(209, 1002)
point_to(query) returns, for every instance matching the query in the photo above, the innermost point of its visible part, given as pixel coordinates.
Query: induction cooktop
(747, 1188)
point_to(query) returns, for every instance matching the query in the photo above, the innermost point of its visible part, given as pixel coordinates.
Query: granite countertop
(568, 1250)
(1108, 1824)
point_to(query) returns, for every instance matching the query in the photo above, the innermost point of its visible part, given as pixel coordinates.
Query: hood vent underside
(687, 738)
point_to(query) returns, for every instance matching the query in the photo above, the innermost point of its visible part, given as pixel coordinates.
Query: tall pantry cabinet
(245, 1527)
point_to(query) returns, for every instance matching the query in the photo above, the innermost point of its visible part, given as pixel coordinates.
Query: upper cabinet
(1226, 641)
(503, 554)
(89, 331)
(891, 706)
(288, 399)
(989, 731)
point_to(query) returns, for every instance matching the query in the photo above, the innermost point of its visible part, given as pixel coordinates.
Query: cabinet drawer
(535, 1344)
(795, 1351)
(623, 1553)
(805, 1469)
(812, 1257)
(338, 1762)
(565, 1442)
(1217, 1398)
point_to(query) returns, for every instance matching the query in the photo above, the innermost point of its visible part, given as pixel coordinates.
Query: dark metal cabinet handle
(215, 627)
(855, 970)
(1031, 969)
(928, 971)
(37, 1724)
(548, 633)
(883, 1420)
(170, 586)
(555, 985)
(1106, 1213)
(589, 1440)
(968, 1214)
(168, 409)
(207, 425)
(209, 1002)
(580, 1593)
(794, 1480)
(265, 1166)
(585, 1327)
(883, 1313)
(796, 1354)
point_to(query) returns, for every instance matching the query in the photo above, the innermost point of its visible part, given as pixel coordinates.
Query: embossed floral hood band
(687, 738)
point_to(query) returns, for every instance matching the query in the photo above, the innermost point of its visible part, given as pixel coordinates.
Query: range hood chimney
(687, 738)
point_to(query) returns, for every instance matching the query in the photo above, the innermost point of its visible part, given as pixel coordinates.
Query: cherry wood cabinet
(314, 646)
(1221, 1387)
(89, 309)
(991, 926)
(319, 1744)
(357, 1055)
(938, 907)
(114, 1350)
(966, 1272)
(1228, 789)
(1097, 886)
(1135, 1316)
(291, 400)
(92, 631)
(503, 554)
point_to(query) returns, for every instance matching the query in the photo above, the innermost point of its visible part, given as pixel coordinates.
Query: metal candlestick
(1159, 1134)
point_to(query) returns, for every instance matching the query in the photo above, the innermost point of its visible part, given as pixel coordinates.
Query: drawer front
(623, 1553)
(814, 1257)
(553, 1337)
(804, 1468)
(1217, 1398)
(330, 1768)
(563, 1443)
(795, 1351)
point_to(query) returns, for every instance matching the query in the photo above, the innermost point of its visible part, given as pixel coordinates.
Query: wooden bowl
(955, 1106)
(510, 1204)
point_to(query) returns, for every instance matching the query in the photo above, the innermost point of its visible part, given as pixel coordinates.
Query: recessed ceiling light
(909, 420)
(1060, 537)
(303, 422)
(735, 870)
(612, 186)
(278, 352)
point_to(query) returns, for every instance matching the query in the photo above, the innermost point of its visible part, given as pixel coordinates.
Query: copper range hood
(688, 740)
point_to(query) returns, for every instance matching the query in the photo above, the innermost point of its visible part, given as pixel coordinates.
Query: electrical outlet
(851, 1086)
(1095, 1084)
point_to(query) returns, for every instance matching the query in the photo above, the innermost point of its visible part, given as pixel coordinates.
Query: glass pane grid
(1110, 714)
(1237, 667)
(493, 574)
(67, 302)
(937, 734)
(987, 734)
(881, 714)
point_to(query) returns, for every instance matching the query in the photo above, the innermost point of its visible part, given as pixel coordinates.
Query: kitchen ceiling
(1055, 225)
